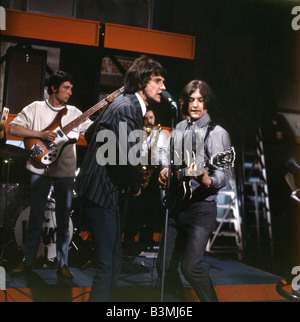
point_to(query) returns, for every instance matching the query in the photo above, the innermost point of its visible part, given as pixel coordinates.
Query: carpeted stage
(234, 282)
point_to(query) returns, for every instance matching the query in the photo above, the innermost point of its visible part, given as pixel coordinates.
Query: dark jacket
(101, 183)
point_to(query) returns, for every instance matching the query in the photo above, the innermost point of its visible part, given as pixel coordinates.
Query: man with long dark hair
(99, 183)
(190, 224)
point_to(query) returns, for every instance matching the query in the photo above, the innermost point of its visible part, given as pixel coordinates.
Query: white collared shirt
(143, 105)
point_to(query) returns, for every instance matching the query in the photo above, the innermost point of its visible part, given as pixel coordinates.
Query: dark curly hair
(57, 79)
(139, 73)
(210, 102)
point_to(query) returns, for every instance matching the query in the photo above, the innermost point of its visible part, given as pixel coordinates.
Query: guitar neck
(101, 105)
(222, 159)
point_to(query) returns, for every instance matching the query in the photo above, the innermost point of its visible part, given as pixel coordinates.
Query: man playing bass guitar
(32, 122)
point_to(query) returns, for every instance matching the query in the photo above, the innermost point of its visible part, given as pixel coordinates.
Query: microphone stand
(171, 163)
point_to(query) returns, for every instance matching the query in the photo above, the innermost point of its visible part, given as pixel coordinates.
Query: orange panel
(51, 28)
(50, 294)
(149, 41)
(240, 293)
(8, 136)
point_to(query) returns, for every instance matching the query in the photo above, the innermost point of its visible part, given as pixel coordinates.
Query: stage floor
(234, 282)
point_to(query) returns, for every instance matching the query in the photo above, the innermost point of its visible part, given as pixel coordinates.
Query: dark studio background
(248, 52)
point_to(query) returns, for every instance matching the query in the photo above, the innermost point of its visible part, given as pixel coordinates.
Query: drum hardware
(14, 159)
(82, 238)
(11, 152)
(14, 215)
(47, 247)
(4, 211)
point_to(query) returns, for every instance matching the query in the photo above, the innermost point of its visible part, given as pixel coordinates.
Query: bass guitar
(44, 152)
(180, 187)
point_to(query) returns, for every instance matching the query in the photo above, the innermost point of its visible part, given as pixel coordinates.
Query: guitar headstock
(225, 158)
(109, 98)
(3, 117)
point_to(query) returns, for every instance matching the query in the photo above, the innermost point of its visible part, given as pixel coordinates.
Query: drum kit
(15, 208)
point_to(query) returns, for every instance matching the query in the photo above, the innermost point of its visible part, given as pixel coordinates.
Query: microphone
(166, 96)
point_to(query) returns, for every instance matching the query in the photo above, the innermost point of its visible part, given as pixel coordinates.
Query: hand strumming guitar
(163, 177)
(203, 178)
(47, 135)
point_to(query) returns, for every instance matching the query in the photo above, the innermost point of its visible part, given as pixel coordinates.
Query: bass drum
(47, 247)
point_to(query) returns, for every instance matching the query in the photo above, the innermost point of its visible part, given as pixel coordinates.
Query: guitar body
(178, 192)
(180, 186)
(45, 152)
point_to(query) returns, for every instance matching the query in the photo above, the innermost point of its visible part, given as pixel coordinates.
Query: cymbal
(13, 153)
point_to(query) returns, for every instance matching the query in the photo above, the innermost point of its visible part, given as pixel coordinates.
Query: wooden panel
(149, 41)
(51, 28)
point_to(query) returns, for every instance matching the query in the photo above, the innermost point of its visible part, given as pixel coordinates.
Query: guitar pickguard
(48, 152)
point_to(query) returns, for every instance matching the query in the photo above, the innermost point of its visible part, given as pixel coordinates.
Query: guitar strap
(210, 127)
(189, 127)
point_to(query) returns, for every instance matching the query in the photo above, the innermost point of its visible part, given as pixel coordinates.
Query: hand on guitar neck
(163, 178)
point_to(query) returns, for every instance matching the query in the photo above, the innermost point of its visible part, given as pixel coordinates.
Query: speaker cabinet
(24, 77)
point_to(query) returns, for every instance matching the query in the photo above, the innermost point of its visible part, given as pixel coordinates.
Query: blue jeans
(39, 190)
(106, 234)
(187, 237)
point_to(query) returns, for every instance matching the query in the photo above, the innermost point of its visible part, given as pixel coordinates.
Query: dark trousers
(105, 228)
(187, 237)
(39, 190)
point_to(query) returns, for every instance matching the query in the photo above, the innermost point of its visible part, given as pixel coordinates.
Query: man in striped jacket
(109, 168)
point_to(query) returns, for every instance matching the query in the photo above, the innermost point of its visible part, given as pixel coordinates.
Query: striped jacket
(100, 183)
